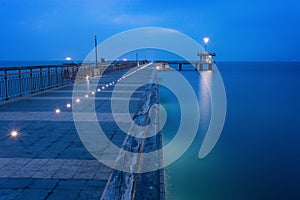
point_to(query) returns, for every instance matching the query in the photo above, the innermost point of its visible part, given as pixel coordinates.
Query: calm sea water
(258, 153)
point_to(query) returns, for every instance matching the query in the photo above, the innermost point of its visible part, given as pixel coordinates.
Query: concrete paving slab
(47, 159)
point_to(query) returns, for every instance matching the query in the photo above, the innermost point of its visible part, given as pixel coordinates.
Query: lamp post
(136, 58)
(96, 51)
(206, 40)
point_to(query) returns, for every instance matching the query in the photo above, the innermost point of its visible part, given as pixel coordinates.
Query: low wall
(148, 185)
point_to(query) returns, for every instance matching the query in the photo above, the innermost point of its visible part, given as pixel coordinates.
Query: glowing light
(93, 93)
(14, 134)
(68, 58)
(57, 111)
(77, 100)
(113, 82)
(98, 90)
(68, 105)
(86, 96)
(124, 59)
(206, 40)
(103, 87)
(110, 84)
(106, 85)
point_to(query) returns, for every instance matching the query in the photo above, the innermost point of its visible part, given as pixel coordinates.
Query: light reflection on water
(257, 155)
(170, 103)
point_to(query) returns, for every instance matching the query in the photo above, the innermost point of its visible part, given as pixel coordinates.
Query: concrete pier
(46, 159)
(206, 62)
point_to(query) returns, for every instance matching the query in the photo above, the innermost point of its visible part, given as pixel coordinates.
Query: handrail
(18, 81)
(38, 66)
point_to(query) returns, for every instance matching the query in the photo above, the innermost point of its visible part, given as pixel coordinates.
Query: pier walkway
(46, 158)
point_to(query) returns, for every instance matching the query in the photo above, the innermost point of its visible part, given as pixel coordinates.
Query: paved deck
(47, 159)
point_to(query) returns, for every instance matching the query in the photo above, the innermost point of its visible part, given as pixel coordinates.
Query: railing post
(74, 73)
(31, 81)
(41, 79)
(6, 84)
(49, 80)
(56, 72)
(68, 75)
(201, 64)
(20, 82)
(180, 66)
(62, 75)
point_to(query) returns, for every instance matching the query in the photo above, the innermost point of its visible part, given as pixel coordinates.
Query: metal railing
(18, 81)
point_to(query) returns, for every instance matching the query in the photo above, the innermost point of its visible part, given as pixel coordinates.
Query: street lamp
(206, 40)
(96, 53)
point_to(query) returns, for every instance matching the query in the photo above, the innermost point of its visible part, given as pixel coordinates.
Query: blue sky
(257, 30)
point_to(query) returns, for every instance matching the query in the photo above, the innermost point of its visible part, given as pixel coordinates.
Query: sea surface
(258, 153)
